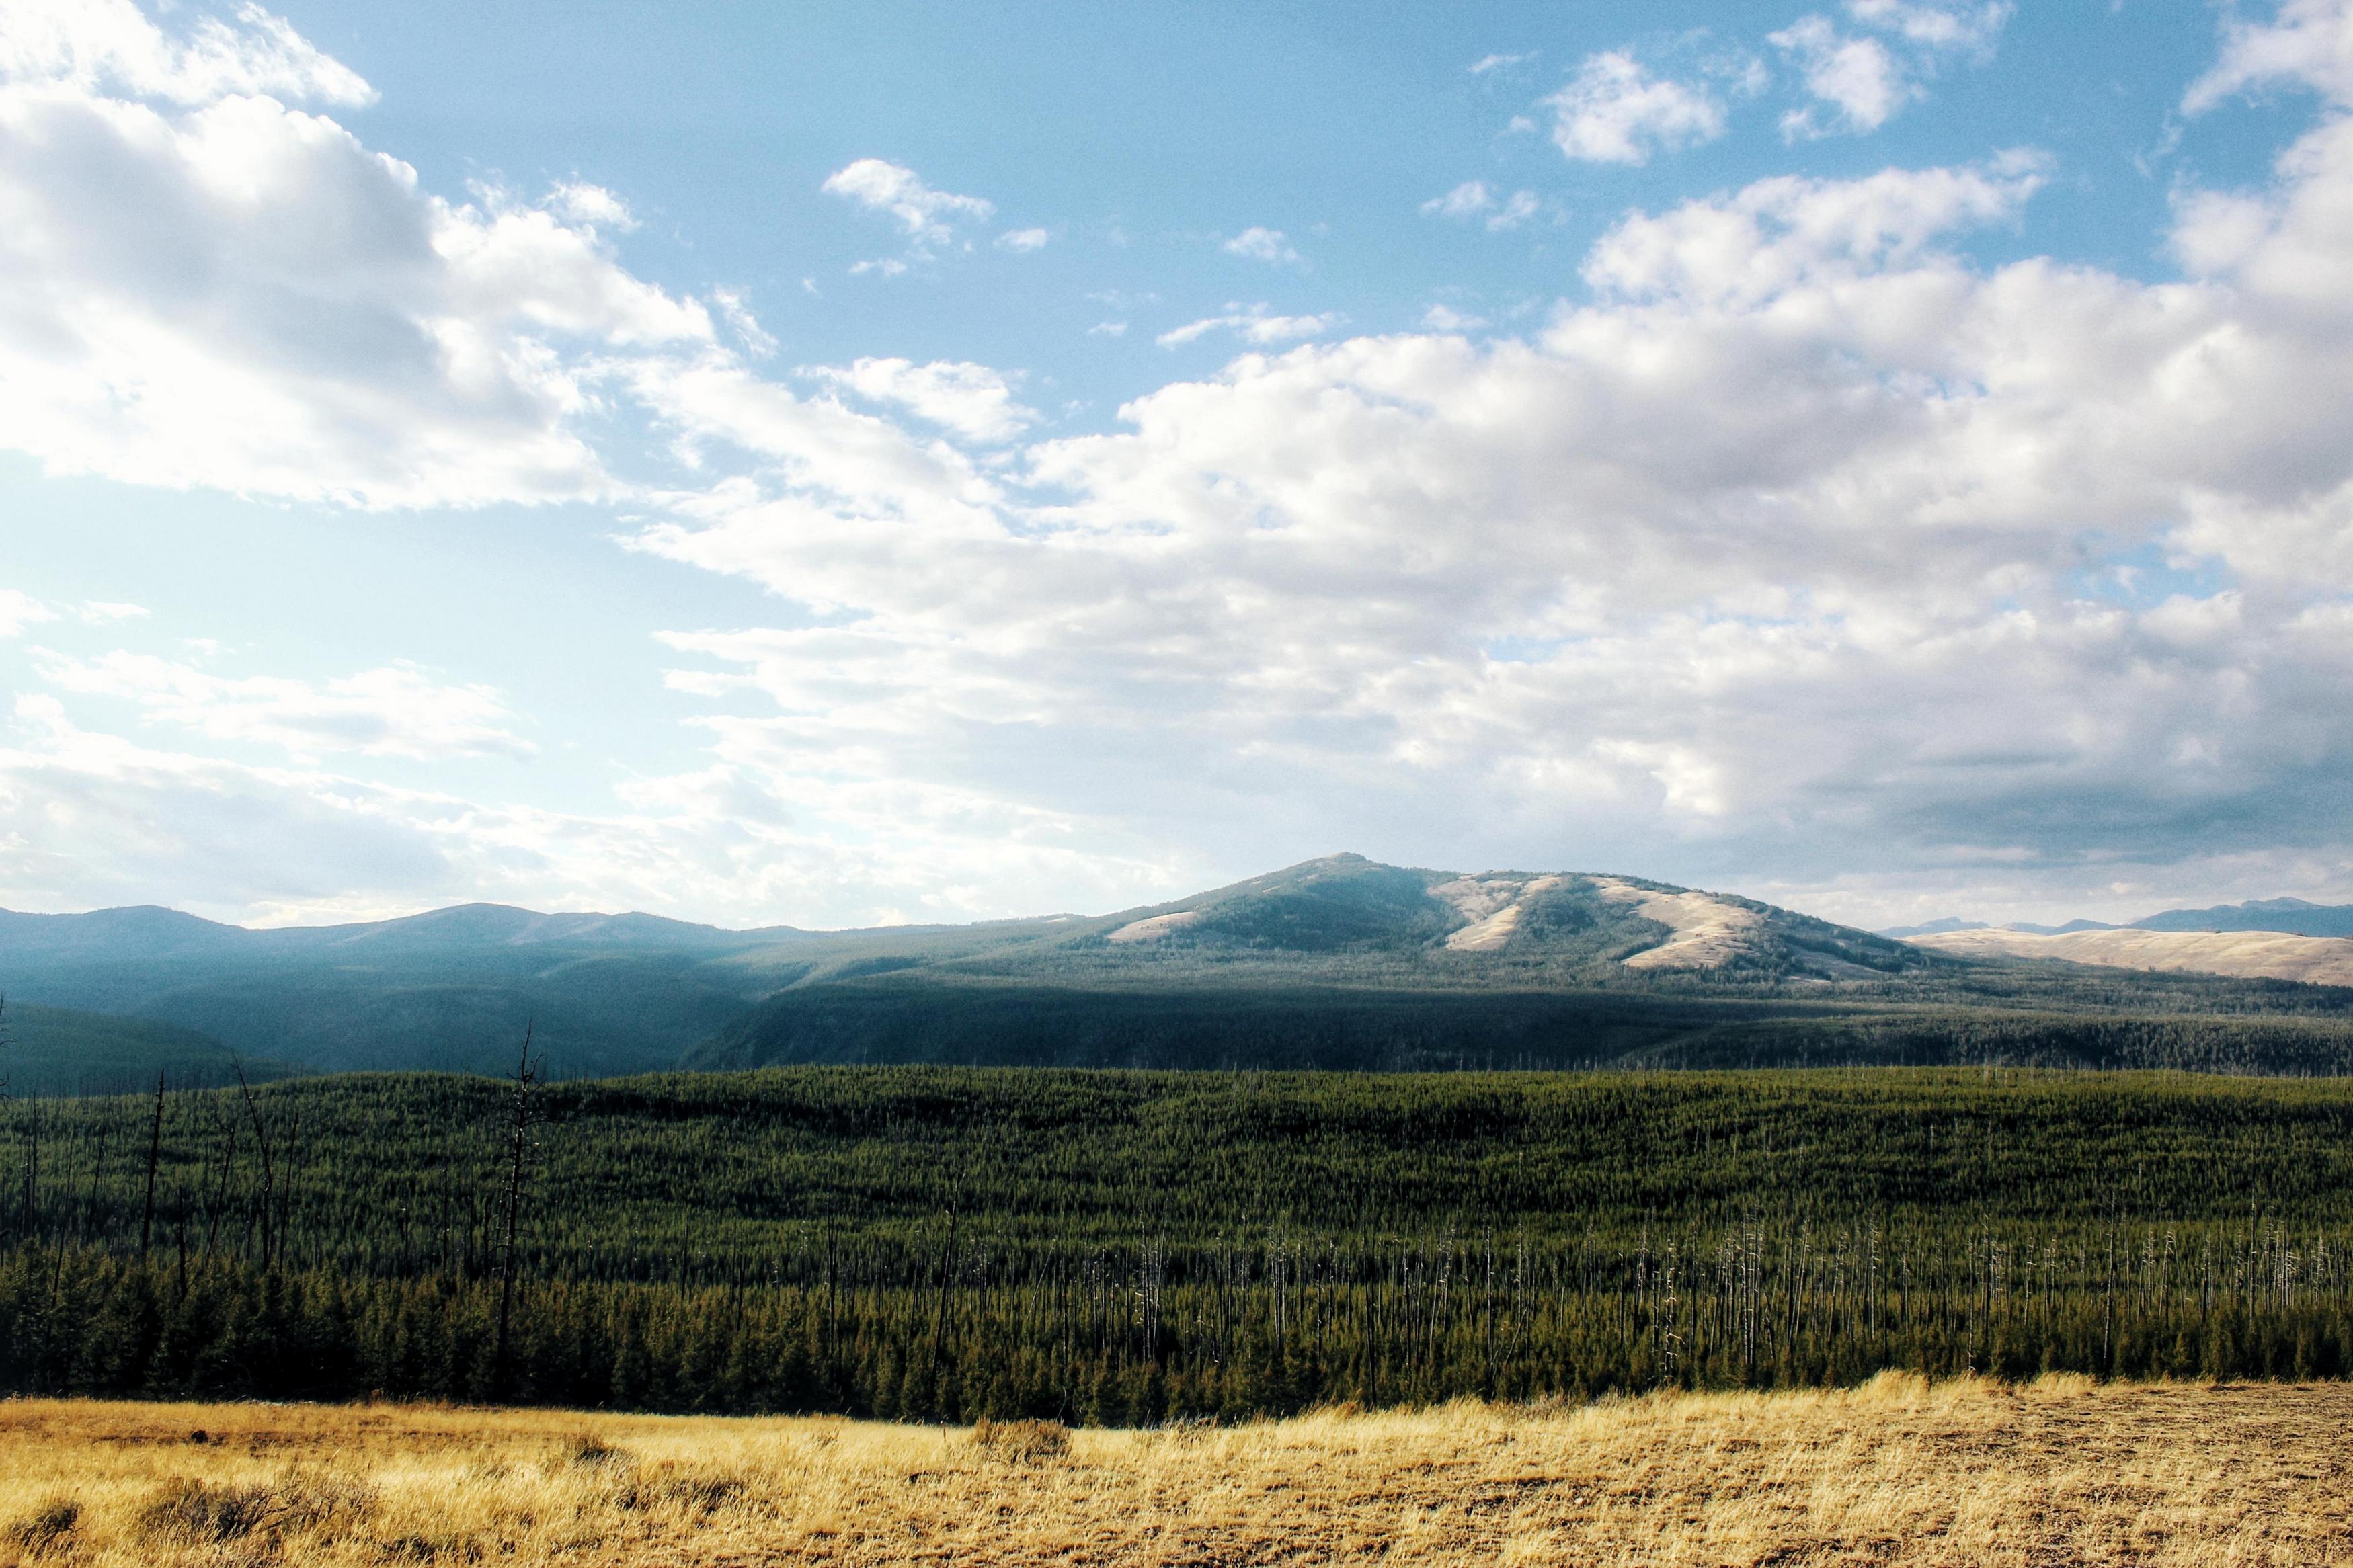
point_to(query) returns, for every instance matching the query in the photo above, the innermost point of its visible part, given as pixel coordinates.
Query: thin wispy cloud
(1254, 324)
(1268, 245)
(928, 217)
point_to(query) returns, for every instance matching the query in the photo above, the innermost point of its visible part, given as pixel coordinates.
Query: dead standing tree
(154, 1157)
(527, 1075)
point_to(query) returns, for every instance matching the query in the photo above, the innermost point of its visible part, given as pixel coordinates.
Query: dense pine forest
(1113, 1247)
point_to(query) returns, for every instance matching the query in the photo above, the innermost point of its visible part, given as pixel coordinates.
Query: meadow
(2059, 1470)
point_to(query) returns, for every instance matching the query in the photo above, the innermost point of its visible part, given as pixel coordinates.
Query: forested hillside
(925, 1243)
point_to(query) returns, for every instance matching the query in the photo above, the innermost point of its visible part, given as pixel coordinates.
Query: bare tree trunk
(269, 1172)
(518, 1149)
(154, 1154)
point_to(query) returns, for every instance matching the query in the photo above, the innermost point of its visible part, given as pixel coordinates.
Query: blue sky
(839, 465)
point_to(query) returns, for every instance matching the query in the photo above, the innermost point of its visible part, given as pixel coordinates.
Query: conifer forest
(1100, 1246)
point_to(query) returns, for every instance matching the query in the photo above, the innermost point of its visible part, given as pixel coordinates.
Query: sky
(924, 462)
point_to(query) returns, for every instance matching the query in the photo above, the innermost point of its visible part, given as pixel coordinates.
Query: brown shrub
(48, 1526)
(697, 1491)
(587, 1448)
(191, 1512)
(1022, 1442)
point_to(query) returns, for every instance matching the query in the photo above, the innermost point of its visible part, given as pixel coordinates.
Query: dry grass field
(2059, 1472)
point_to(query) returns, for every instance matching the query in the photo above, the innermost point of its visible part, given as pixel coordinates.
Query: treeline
(1117, 1246)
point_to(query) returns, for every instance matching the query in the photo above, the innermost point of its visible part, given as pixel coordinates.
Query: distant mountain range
(2292, 916)
(1339, 962)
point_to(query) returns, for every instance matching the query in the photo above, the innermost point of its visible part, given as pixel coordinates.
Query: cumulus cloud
(972, 400)
(392, 711)
(1268, 245)
(1937, 25)
(1022, 240)
(590, 206)
(1443, 318)
(2306, 41)
(1862, 81)
(1780, 542)
(204, 286)
(926, 216)
(109, 46)
(1486, 63)
(1796, 531)
(1616, 111)
(1860, 78)
(1254, 324)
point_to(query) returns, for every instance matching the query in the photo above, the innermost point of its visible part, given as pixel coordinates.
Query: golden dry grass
(2061, 1472)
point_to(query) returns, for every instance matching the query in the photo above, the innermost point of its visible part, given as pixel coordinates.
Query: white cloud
(1108, 329)
(1472, 198)
(1486, 63)
(222, 292)
(1863, 80)
(1023, 239)
(1615, 111)
(1517, 209)
(1963, 26)
(883, 267)
(95, 48)
(928, 217)
(590, 206)
(1775, 546)
(1254, 324)
(1801, 531)
(1858, 77)
(104, 612)
(1786, 233)
(2306, 41)
(391, 712)
(972, 400)
(1468, 199)
(1446, 319)
(734, 842)
(737, 314)
(20, 610)
(1268, 245)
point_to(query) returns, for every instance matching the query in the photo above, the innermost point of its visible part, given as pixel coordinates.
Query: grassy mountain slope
(2315, 960)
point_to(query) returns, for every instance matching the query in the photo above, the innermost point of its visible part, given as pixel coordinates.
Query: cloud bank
(1793, 550)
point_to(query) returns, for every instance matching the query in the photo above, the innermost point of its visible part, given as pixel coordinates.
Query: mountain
(1932, 928)
(2290, 915)
(450, 989)
(1337, 962)
(1342, 963)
